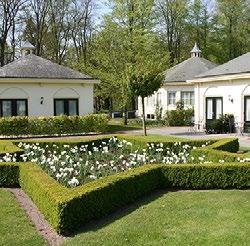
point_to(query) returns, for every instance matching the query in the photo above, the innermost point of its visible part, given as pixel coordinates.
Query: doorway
(214, 108)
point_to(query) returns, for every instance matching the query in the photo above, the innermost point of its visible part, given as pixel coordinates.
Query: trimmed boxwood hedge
(227, 144)
(68, 209)
(9, 175)
(20, 126)
(223, 149)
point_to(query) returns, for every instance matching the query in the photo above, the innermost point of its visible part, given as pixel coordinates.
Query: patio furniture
(196, 127)
(239, 127)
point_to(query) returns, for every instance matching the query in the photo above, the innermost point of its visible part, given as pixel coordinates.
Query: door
(214, 108)
(247, 113)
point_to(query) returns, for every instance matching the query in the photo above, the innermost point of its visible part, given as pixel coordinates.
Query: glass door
(214, 108)
(247, 113)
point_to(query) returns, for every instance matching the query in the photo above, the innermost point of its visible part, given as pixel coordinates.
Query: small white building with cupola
(34, 86)
(175, 87)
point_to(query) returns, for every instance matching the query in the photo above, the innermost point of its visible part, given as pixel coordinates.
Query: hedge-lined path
(36, 217)
(15, 226)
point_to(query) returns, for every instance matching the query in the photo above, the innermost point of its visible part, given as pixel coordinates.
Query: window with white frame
(187, 97)
(171, 98)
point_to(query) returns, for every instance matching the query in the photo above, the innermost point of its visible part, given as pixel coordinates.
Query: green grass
(113, 128)
(15, 228)
(215, 217)
(246, 150)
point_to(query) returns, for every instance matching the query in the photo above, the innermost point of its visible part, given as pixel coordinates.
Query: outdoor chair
(239, 127)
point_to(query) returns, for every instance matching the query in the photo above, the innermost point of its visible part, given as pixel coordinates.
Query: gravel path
(41, 224)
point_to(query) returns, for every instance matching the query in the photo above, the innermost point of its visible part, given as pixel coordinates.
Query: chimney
(195, 52)
(27, 48)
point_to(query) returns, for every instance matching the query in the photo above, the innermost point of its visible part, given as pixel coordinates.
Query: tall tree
(59, 21)
(172, 16)
(81, 27)
(36, 23)
(199, 23)
(9, 11)
(234, 27)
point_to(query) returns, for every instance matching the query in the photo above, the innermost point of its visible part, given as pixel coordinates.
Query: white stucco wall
(49, 91)
(150, 103)
(228, 89)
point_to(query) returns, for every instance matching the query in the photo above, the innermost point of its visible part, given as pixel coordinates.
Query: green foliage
(8, 147)
(224, 149)
(53, 125)
(228, 144)
(225, 124)
(179, 117)
(9, 174)
(46, 192)
(213, 176)
(145, 83)
(68, 209)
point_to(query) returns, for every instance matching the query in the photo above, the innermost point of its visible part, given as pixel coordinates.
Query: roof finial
(27, 48)
(195, 52)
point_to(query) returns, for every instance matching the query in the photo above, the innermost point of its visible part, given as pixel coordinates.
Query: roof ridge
(33, 66)
(188, 69)
(237, 65)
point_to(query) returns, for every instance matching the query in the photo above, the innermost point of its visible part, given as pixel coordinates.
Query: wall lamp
(41, 100)
(230, 99)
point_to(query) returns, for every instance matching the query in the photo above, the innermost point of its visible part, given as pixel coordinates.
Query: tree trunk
(125, 118)
(143, 117)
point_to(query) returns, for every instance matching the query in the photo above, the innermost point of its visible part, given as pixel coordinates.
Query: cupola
(27, 48)
(195, 52)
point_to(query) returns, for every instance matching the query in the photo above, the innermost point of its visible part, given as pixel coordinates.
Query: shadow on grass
(95, 225)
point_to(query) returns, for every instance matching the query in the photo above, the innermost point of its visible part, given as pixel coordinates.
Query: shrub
(9, 174)
(179, 117)
(225, 124)
(69, 209)
(16, 126)
(228, 144)
(138, 122)
(224, 149)
(213, 176)
(8, 147)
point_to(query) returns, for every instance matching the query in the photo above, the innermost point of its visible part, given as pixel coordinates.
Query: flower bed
(79, 163)
(73, 165)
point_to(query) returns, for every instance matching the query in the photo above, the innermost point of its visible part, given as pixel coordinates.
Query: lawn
(215, 217)
(117, 125)
(15, 228)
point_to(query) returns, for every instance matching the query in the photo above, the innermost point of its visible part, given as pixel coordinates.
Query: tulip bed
(69, 208)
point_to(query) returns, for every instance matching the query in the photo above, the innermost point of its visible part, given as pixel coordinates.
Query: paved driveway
(171, 131)
(185, 133)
